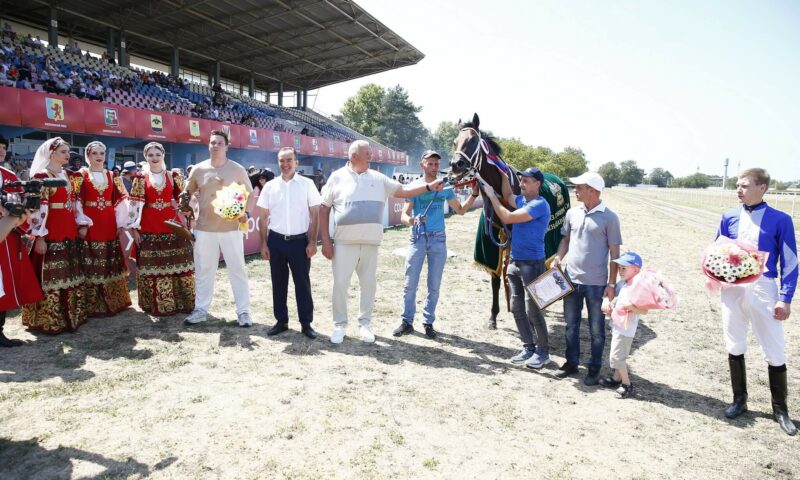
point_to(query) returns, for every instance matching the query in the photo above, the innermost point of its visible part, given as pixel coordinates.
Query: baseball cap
(430, 153)
(532, 172)
(629, 259)
(129, 165)
(592, 179)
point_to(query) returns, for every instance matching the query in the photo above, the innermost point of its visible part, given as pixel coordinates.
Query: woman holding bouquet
(165, 268)
(215, 233)
(763, 303)
(105, 202)
(56, 252)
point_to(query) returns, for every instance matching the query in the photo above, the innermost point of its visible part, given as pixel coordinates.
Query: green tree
(362, 112)
(698, 180)
(516, 153)
(570, 163)
(660, 177)
(399, 126)
(610, 173)
(442, 139)
(630, 173)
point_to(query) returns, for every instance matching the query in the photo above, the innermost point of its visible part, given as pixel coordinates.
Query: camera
(30, 196)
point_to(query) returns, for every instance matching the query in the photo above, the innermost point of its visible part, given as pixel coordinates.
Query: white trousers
(753, 304)
(363, 259)
(207, 246)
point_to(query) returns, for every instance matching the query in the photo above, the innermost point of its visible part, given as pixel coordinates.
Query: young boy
(622, 336)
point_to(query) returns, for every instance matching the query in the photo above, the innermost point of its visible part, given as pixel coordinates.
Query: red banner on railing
(51, 112)
(65, 114)
(108, 119)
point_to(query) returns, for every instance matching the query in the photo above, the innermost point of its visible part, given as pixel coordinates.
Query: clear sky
(674, 84)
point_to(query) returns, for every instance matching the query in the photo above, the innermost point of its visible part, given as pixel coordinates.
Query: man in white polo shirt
(357, 196)
(289, 206)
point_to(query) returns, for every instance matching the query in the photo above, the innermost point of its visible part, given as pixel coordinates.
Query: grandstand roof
(305, 44)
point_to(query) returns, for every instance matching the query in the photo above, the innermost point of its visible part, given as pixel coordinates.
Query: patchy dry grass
(135, 396)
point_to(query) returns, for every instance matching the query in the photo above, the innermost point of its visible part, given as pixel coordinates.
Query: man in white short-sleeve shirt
(289, 208)
(357, 196)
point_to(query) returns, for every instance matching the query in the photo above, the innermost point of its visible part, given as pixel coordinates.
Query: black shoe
(625, 391)
(566, 370)
(430, 332)
(738, 385)
(309, 332)
(592, 377)
(779, 391)
(9, 342)
(609, 382)
(279, 327)
(404, 329)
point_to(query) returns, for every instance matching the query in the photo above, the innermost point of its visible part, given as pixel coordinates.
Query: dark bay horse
(478, 153)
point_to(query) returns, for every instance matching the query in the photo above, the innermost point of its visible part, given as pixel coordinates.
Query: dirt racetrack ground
(135, 396)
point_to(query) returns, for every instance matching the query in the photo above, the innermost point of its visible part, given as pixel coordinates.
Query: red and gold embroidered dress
(164, 261)
(59, 269)
(105, 202)
(19, 280)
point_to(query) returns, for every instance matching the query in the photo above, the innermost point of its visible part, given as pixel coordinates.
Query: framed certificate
(549, 287)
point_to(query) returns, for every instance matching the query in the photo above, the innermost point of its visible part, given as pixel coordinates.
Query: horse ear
(476, 122)
(459, 123)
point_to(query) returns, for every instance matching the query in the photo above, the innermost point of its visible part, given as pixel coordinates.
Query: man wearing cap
(764, 304)
(357, 195)
(592, 238)
(425, 215)
(289, 209)
(129, 169)
(530, 219)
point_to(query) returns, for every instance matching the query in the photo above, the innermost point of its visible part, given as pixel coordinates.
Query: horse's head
(468, 152)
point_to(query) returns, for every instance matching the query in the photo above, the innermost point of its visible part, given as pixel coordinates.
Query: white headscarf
(157, 146)
(91, 146)
(42, 157)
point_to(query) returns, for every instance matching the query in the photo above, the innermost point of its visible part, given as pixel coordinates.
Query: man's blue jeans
(432, 245)
(573, 305)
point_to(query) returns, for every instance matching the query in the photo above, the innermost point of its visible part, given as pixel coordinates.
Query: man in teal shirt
(425, 215)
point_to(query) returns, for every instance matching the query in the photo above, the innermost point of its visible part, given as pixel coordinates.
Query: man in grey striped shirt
(357, 196)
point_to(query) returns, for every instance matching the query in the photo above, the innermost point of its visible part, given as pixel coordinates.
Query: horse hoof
(491, 324)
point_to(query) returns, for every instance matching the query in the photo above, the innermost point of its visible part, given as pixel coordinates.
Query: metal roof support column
(52, 30)
(251, 86)
(110, 44)
(280, 94)
(305, 99)
(216, 73)
(175, 66)
(298, 101)
(123, 52)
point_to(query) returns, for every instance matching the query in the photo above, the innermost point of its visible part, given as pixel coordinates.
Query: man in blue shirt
(425, 215)
(530, 220)
(761, 304)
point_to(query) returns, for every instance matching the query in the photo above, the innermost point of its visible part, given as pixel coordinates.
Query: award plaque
(550, 286)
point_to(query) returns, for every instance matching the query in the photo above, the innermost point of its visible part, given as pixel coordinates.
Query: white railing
(717, 200)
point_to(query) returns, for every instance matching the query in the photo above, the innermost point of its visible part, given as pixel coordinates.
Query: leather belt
(288, 238)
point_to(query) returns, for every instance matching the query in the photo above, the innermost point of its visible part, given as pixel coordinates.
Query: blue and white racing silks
(771, 231)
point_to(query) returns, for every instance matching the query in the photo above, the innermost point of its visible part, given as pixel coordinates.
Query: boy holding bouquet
(625, 319)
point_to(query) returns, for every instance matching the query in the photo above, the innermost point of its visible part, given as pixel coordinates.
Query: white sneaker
(338, 334)
(366, 334)
(244, 320)
(197, 316)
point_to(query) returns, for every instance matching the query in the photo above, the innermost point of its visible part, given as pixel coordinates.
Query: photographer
(18, 284)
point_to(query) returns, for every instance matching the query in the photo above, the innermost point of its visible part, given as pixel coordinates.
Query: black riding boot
(739, 385)
(6, 342)
(779, 390)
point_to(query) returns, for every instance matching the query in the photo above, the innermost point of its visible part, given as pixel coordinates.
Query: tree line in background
(389, 117)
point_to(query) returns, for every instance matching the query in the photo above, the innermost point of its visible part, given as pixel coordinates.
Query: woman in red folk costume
(56, 251)
(105, 202)
(19, 283)
(164, 261)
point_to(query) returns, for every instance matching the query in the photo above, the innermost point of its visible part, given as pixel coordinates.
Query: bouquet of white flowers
(230, 201)
(733, 262)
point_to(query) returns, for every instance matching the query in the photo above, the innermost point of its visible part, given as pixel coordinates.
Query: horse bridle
(473, 162)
